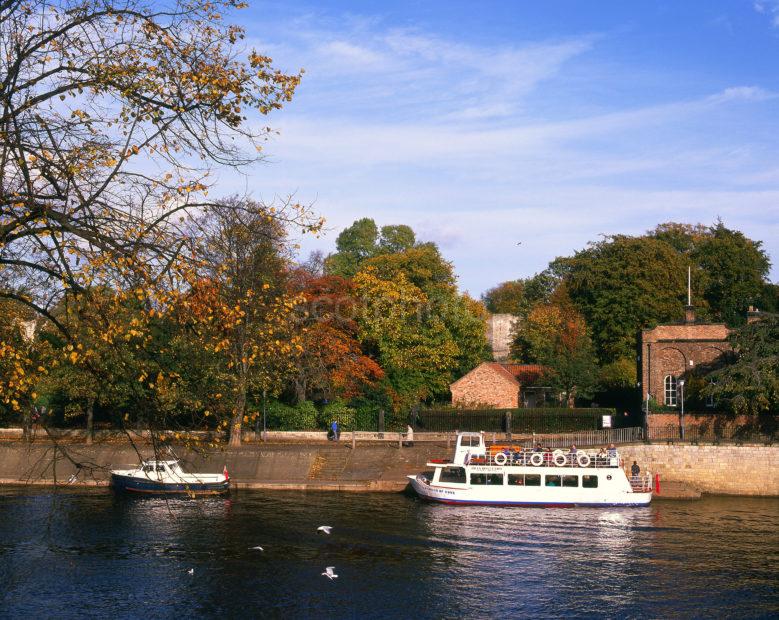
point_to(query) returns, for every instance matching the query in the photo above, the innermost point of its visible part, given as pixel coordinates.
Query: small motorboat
(155, 476)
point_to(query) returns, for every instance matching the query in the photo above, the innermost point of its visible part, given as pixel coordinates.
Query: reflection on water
(92, 554)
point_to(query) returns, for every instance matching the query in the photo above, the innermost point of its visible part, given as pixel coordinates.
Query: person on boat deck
(612, 450)
(573, 448)
(538, 448)
(635, 470)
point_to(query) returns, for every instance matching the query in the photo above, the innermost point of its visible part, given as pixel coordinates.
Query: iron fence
(527, 420)
(711, 434)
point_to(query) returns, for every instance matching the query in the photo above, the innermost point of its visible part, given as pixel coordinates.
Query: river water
(93, 554)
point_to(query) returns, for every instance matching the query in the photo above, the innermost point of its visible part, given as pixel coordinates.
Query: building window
(670, 391)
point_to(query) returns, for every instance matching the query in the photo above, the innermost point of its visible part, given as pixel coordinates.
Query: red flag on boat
(226, 474)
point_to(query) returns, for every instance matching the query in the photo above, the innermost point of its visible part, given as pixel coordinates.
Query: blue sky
(485, 124)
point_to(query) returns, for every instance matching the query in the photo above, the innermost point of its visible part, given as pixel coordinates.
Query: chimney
(689, 314)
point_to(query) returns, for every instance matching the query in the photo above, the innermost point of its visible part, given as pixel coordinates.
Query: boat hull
(134, 484)
(541, 497)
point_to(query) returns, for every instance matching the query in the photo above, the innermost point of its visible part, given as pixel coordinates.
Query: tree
(555, 336)
(330, 362)
(747, 381)
(240, 306)
(730, 269)
(505, 298)
(624, 284)
(395, 239)
(413, 346)
(354, 245)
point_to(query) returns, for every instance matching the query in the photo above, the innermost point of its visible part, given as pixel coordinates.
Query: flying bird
(324, 528)
(257, 548)
(191, 571)
(330, 573)
(519, 243)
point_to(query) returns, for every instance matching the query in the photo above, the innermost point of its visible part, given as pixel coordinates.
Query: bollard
(354, 442)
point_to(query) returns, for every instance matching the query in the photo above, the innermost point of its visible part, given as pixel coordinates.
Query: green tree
(729, 269)
(354, 244)
(396, 239)
(622, 285)
(505, 298)
(747, 381)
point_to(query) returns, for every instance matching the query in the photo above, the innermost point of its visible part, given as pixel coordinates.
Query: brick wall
(676, 349)
(724, 470)
(659, 423)
(485, 385)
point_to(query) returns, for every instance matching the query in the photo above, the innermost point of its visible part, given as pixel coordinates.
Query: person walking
(334, 430)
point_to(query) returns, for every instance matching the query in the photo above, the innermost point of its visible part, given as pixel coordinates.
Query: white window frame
(670, 387)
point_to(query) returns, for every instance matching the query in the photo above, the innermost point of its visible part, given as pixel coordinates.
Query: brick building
(668, 351)
(498, 386)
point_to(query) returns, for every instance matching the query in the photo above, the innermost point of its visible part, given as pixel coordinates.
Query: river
(87, 554)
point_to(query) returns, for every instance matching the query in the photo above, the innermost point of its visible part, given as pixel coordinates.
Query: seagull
(191, 571)
(257, 548)
(329, 573)
(324, 528)
(519, 243)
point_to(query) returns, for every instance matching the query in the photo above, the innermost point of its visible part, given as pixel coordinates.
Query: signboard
(606, 421)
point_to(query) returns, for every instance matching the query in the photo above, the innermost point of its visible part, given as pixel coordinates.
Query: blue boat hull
(136, 485)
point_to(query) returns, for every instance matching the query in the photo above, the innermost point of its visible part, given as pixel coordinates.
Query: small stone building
(669, 351)
(498, 386)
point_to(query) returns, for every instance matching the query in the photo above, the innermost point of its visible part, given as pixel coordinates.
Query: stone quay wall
(375, 466)
(722, 470)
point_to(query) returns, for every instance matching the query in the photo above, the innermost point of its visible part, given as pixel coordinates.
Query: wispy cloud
(478, 145)
(769, 8)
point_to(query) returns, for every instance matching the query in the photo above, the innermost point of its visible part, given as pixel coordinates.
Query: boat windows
(471, 442)
(494, 479)
(552, 481)
(590, 482)
(148, 468)
(453, 474)
(532, 480)
(570, 481)
(516, 480)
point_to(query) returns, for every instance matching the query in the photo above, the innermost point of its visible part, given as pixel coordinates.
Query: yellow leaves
(73, 357)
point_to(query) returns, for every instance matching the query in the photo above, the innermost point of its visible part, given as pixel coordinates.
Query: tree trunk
(27, 423)
(90, 420)
(238, 411)
(300, 390)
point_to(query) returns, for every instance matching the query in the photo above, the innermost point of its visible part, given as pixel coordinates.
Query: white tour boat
(507, 475)
(167, 477)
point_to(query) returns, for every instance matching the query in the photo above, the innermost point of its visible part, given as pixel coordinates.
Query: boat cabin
(469, 446)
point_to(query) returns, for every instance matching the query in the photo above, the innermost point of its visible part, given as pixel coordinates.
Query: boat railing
(641, 484)
(557, 458)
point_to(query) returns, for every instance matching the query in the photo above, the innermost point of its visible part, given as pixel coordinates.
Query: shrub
(287, 418)
(340, 411)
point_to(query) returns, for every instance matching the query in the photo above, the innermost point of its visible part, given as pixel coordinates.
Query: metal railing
(558, 458)
(588, 438)
(710, 434)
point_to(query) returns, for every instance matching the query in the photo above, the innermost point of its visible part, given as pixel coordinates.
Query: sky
(511, 133)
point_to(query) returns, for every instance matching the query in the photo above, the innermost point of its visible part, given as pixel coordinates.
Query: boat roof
(161, 462)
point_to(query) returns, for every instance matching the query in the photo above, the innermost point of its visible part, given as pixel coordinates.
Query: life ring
(500, 458)
(559, 458)
(583, 459)
(537, 459)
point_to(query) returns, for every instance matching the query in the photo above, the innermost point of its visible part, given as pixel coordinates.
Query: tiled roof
(524, 373)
